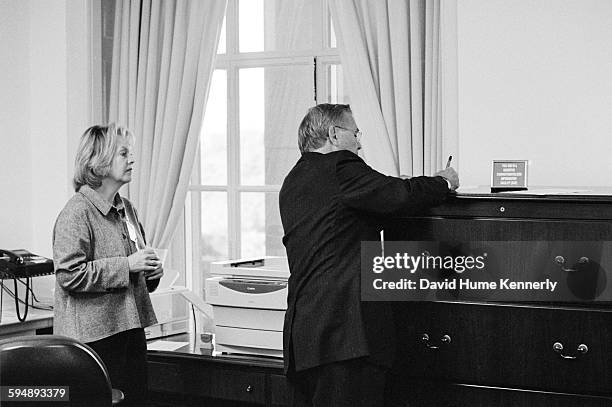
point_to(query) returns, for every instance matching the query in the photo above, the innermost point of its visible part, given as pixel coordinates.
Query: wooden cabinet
(482, 353)
(466, 352)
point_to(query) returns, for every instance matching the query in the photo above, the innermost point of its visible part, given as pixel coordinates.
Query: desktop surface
(35, 320)
(191, 350)
(565, 193)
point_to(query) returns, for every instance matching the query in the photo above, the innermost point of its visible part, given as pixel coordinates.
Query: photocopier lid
(268, 267)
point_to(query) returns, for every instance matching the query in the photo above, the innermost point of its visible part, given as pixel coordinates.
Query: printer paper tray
(249, 338)
(249, 318)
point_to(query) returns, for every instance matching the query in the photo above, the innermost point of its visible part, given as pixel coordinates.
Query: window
(276, 58)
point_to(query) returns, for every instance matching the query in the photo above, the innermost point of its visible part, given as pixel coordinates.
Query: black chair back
(53, 360)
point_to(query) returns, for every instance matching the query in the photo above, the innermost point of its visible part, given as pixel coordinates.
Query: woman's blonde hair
(95, 154)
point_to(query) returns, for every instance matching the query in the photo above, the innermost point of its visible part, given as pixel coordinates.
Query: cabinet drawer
(471, 229)
(507, 346)
(567, 272)
(229, 384)
(529, 208)
(580, 271)
(165, 377)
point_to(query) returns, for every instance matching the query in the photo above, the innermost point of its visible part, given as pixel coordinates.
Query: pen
(450, 157)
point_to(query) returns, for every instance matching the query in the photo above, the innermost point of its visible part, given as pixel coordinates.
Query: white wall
(15, 144)
(535, 83)
(48, 124)
(44, 106)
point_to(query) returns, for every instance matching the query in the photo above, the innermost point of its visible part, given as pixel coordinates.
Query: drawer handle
(560, 260)
(558, 347)
(446, 339)
(249, 389)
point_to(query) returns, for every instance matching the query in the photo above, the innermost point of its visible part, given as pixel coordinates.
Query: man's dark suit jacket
(329, 203)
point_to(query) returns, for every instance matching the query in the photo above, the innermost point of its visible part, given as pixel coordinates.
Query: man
(336, 348)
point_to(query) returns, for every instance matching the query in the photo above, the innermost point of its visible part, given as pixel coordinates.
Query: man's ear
(331, 133)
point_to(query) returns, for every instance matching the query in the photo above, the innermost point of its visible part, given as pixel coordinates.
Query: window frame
(232, 61)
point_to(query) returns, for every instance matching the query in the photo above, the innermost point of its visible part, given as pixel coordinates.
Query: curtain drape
(401, 91)
(163, 59)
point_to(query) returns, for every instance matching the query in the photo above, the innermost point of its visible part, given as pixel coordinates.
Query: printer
(249, 299)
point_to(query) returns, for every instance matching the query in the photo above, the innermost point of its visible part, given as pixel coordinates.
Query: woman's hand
(152, 275)
(144, 260)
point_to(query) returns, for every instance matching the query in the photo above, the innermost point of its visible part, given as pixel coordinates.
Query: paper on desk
(166, 345)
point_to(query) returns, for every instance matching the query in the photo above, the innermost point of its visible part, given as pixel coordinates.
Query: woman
(103, 271)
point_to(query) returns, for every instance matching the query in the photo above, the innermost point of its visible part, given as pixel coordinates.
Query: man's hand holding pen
(450, 175)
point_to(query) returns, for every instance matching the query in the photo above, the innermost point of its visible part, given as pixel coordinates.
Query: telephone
(21, 263)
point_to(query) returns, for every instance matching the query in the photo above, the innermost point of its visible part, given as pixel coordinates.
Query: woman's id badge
(132, 232)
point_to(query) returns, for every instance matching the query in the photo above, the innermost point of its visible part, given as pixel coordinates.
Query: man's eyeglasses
(356, 133)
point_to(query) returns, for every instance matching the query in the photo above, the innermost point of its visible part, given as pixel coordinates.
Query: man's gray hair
(95, 154)
(313, 131)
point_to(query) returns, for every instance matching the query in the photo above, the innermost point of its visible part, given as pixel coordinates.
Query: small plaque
(509, 175)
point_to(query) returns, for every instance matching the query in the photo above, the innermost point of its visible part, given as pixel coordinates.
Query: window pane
(213, 140)
(214, 238)
(336, 85)
(273, 101)
(261, 228)
(251, 25)
(252, 118)
(332, 34)
(222, 39)
(273, 25)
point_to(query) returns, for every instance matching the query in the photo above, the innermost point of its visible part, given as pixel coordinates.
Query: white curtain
(402, 93)
(163, 59)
